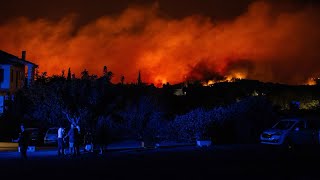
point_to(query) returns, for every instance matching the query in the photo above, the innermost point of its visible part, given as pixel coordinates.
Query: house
(13, 75)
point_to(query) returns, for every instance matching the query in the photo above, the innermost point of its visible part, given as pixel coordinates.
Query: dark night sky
(88, 10)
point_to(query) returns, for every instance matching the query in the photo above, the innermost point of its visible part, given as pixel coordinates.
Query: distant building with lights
(181, 90)
(13, 75)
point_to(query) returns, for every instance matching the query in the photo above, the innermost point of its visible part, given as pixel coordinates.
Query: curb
(150, 148)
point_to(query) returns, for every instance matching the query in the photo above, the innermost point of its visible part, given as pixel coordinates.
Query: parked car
(51, 136)
(35, 136)
(292, 131)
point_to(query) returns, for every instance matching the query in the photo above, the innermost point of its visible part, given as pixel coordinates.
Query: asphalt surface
(190, 162)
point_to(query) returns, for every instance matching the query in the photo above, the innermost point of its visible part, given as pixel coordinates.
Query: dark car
(35, 136)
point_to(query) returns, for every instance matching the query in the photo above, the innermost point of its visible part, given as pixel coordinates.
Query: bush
(248, 118)
(143, 119)
(239, 122)
(197, 124)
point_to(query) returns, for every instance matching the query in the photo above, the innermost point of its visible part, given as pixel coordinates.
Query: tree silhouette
(62, 73)
(107, 75)
(122, 79)
(69, 74)
(85, 74)
(139, 78)
(140, 117)
(42, 78)
(105, 70)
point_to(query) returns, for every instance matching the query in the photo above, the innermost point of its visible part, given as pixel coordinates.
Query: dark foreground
(222, 162)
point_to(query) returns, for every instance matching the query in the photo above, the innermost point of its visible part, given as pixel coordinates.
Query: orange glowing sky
(262, 43)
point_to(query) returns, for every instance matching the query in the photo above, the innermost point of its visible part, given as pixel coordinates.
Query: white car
(292, 131)
(51, 136)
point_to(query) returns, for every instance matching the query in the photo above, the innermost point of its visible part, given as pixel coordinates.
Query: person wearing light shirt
(60, 141)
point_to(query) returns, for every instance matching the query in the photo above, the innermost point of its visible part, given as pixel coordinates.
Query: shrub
(239, 122)
(309, 105)
(143, 119)
(191, 126)
(248, 118)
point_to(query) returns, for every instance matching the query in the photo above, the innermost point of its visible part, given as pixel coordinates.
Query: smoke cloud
(264, 43)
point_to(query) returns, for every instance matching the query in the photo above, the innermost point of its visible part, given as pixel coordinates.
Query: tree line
(225, 112)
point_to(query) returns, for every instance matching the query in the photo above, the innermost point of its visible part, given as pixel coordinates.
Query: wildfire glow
(311, 82)
(237, 75)
(229, 78)
(159, 81)
(264, 43)
(209, 83)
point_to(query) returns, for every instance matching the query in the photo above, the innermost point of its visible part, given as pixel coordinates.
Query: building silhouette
(13, 75)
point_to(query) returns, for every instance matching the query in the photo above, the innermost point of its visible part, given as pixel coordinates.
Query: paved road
(217, 162)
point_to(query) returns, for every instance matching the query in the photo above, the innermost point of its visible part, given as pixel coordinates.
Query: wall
(18, 78)
(5, 84)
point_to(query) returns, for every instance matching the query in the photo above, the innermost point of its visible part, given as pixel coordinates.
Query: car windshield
(284, 124)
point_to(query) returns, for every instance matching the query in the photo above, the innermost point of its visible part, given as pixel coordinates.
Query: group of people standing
(70, 140)
(74, 142)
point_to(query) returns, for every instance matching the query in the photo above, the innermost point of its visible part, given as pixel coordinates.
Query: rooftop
(6, 58)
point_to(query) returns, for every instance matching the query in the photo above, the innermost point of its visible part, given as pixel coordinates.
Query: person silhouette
(60, 141)
(23, 141)
(71, 135)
